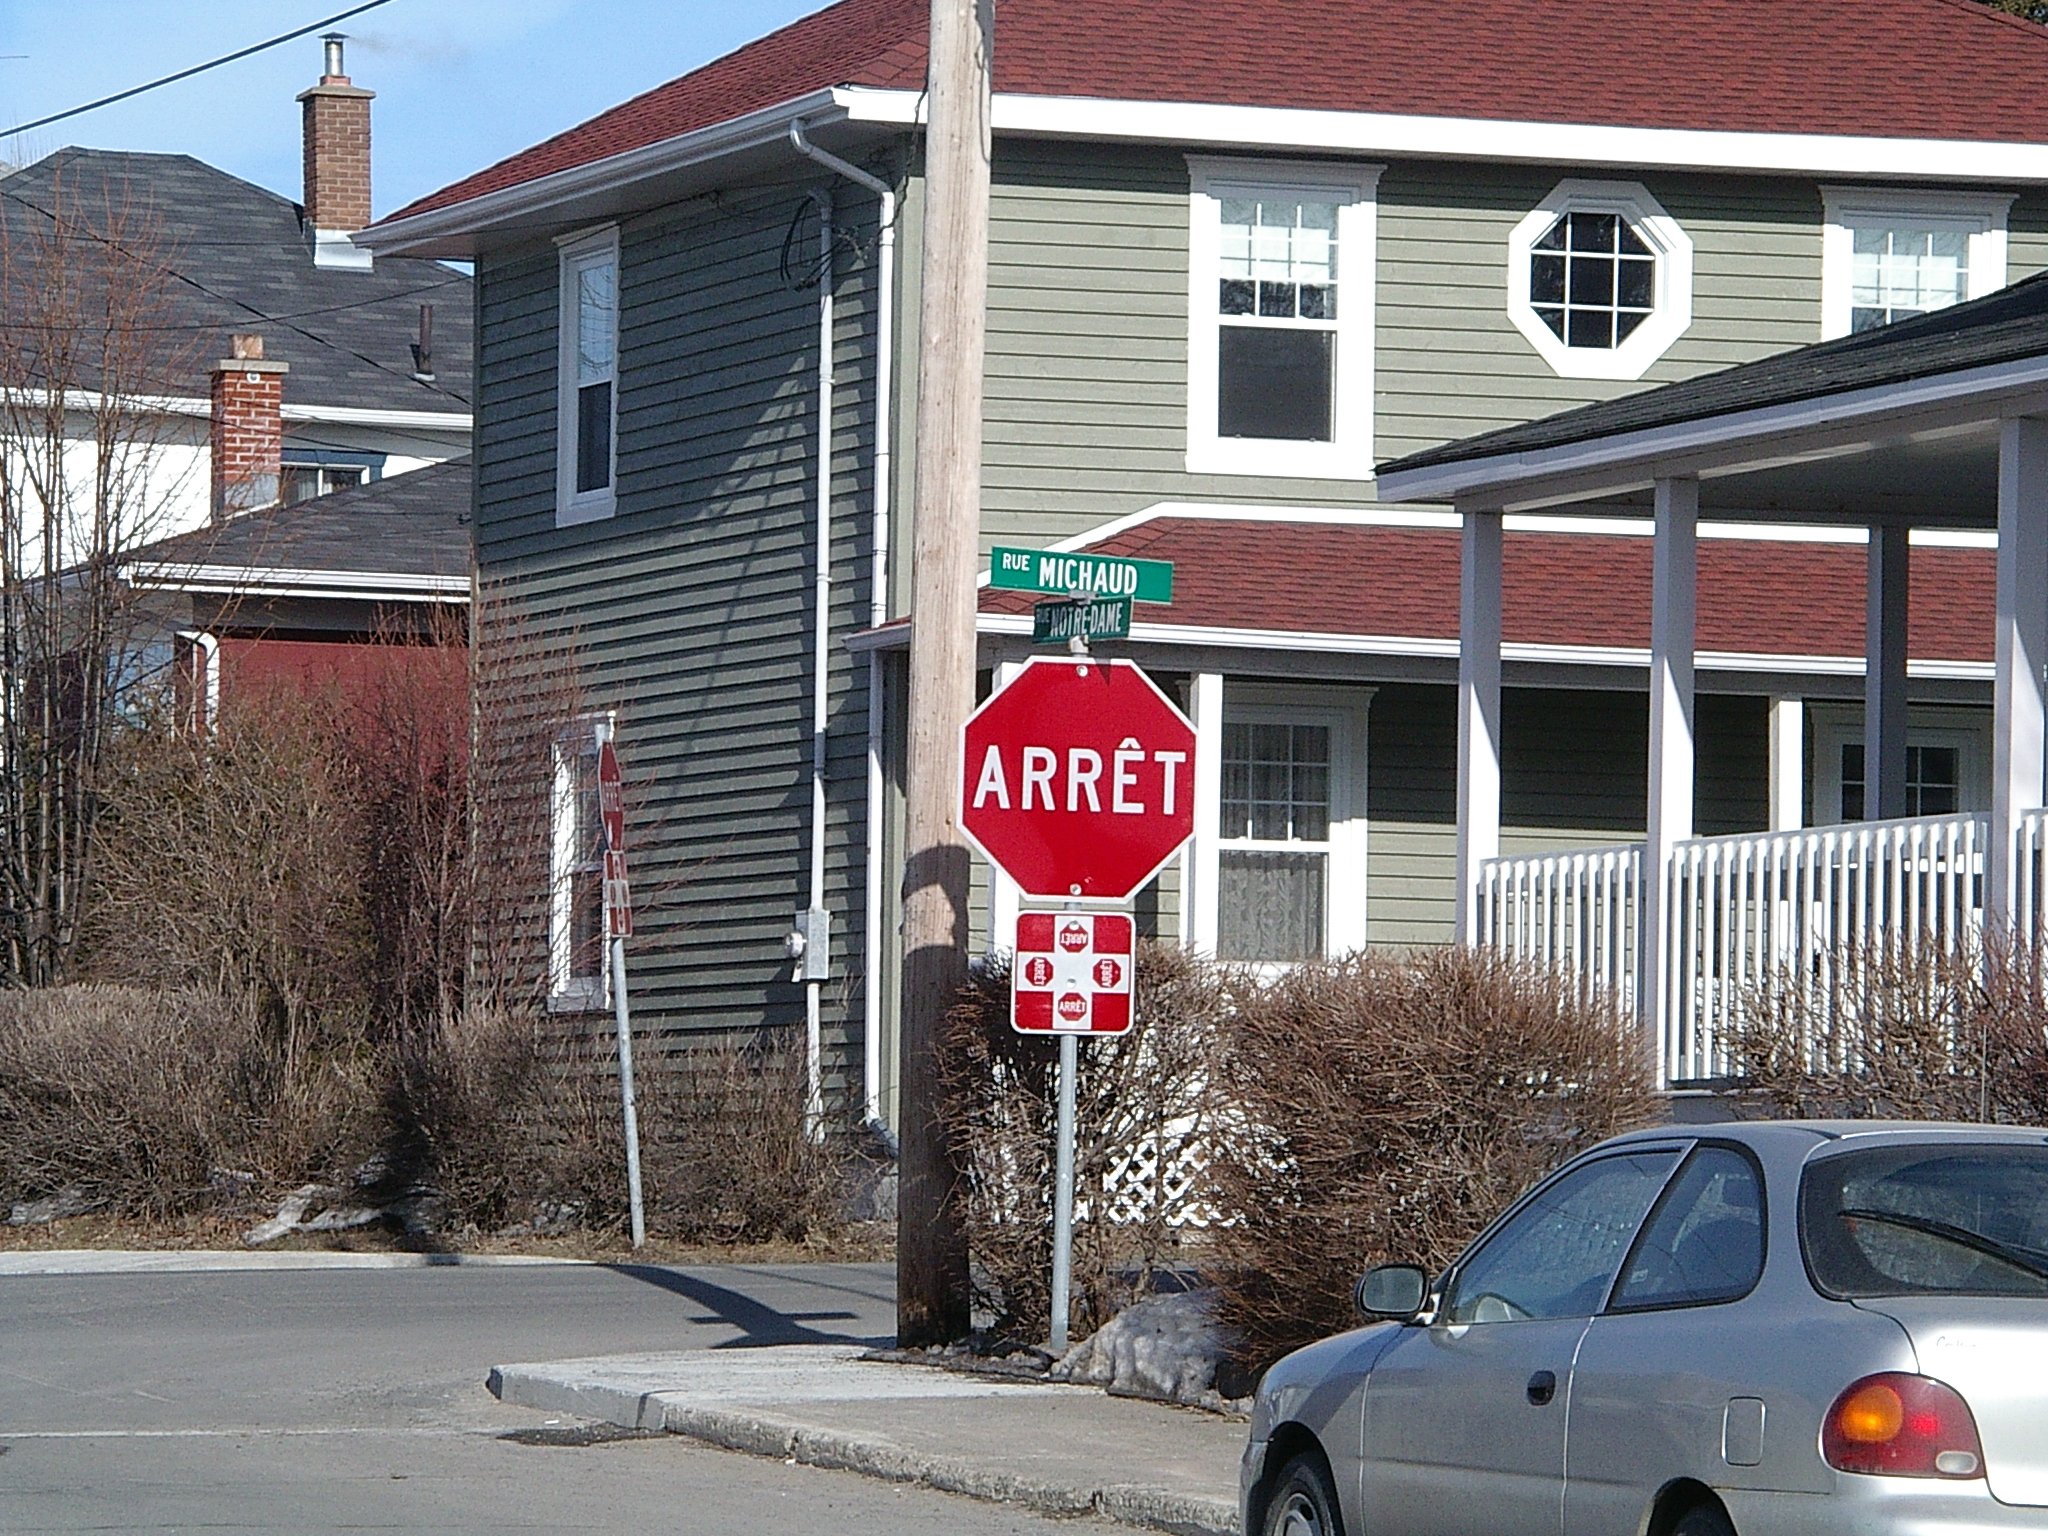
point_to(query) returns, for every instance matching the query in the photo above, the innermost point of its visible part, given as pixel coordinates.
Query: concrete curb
(761, 1433)
(193, 1261)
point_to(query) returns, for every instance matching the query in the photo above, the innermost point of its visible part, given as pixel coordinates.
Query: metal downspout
(878, 610)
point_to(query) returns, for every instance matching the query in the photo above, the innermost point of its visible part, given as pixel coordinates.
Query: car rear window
(1955, 1219)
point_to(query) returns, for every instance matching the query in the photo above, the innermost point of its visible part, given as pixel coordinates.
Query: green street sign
(1051, 570)
(1095, 618)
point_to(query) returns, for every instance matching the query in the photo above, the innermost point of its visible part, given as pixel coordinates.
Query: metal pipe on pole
(931, 1242)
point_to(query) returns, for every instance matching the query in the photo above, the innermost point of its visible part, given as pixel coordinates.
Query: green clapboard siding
(690, 613)
(1573, 772)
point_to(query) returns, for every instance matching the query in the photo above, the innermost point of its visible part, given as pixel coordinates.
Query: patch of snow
(1165, 1347)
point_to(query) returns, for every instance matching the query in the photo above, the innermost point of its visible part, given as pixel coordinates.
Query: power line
(196, 69)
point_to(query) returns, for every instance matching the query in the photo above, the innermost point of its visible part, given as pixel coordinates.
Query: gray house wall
(690, 611)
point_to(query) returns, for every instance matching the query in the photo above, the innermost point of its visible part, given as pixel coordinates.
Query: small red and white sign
(618, 897)
(611, 797)
(1072, 973)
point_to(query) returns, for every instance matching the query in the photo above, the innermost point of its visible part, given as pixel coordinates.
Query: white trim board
(1291, 129)
(1465, 138)
(1632, 460)
(287, 581)
(1014, 625)
(1432, 520)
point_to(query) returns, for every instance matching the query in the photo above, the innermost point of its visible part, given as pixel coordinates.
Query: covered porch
(1929, 431)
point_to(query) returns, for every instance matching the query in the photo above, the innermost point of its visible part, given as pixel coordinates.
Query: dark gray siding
(691, 610)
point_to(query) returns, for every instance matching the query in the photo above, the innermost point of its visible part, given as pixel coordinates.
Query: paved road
(325, 1400)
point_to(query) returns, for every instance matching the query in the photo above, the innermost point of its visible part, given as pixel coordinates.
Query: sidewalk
(1059, 1449)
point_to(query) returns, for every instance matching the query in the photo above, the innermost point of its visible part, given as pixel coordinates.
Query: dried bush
(725, 1151)
(1148, 1095)
(1927, 1031)
(140, 1101)
(229, 863)
(1391, 1107)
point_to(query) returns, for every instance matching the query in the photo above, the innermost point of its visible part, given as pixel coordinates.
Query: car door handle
(1542, 1387)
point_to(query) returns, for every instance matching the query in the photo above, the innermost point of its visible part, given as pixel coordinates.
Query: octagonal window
(1600, 280)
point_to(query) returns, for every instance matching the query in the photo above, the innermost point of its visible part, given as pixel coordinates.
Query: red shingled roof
(1935, 69)
(1756, 597)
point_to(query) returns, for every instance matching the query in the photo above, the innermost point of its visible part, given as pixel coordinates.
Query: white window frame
(576, 253)
(569, 992)
(1671, 315)
(1345, 713)
(1980, 215)
(1355, 189)
(1836, 726)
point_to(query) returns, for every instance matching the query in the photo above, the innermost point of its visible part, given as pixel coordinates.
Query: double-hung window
(1280, 318)
(587, 401)
(1889, 255)
(576, 959)
(1290, 867)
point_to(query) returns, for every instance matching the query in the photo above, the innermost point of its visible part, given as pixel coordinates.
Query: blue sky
(459, 83)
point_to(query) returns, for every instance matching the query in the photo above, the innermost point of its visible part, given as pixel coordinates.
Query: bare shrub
(1925, 1031)
(230, 863)
(1392, 1106)
(725, 1145)
(139, 1099)
(1146, 1096)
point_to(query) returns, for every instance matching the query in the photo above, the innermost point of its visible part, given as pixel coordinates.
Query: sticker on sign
(1072, 973)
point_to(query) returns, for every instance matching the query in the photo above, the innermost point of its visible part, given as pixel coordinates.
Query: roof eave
(457, 230)
(1728, 440)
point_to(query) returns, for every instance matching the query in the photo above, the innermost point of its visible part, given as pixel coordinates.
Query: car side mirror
(1392, 1291)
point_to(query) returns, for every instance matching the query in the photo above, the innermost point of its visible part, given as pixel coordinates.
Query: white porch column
(1479, 633)
(1788, 764)
(1004, 898)
(1674, 567)
(1199, 866)
(1884, 674)
(2019, 705)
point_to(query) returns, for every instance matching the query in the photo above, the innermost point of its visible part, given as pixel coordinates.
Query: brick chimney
(337, 149)
(248, 429)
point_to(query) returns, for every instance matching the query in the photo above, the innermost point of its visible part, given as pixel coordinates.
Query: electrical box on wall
(810, 945)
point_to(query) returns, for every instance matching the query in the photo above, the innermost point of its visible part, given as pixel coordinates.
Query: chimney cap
(335, 69)
(246, 356)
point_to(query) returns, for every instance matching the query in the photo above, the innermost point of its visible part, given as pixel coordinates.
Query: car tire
(1304, 1501)
(1704, 1520)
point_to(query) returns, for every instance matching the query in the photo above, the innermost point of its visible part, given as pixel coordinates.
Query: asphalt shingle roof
(2002, 327)
(1932, 69)
(242, 262)
(414, 524)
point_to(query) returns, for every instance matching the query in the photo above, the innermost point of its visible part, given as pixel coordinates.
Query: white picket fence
(1577, 911)
(2030, 876)
(1741, 910)
(1738, 910)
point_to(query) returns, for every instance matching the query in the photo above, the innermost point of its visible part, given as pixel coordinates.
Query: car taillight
(1900, 1425)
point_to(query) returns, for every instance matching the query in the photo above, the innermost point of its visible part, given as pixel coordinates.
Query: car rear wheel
(1704, 1520)
(1304, 1502)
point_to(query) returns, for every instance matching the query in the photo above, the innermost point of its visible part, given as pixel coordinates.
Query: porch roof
(1901, 421)
(1388, 582)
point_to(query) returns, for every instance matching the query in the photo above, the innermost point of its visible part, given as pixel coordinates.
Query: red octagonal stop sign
(1078, 779)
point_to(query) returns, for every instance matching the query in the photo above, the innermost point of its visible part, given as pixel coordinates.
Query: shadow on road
(760, 1325)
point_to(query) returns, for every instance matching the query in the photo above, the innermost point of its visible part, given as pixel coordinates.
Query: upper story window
(1280, 318)
(587, 398)
(1600, 279)
(303, 481)
(1887, 255)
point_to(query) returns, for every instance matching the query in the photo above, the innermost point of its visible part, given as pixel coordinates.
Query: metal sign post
(1071, 976)
(618, 924)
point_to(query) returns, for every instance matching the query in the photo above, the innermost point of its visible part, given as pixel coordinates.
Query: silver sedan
(1783, 1328)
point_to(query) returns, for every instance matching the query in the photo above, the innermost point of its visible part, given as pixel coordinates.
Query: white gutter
(878, 611)
(533, 200)
(1622, 460)
(87, 400)
(285, 581)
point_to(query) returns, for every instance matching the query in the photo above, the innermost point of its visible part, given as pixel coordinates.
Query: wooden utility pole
(931, 1240)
